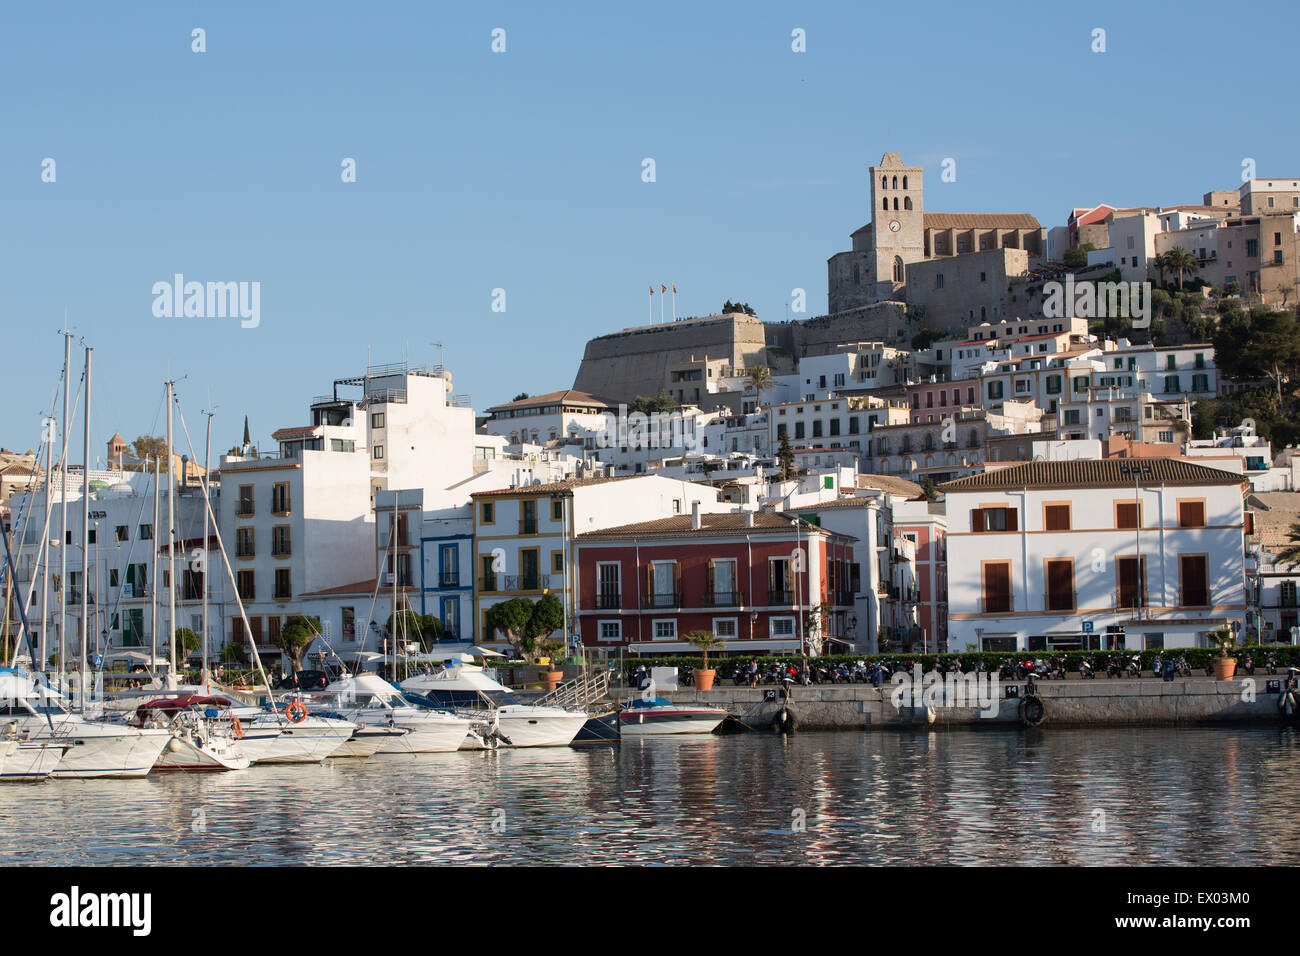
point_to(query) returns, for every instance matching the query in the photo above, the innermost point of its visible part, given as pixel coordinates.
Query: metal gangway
(581, 693)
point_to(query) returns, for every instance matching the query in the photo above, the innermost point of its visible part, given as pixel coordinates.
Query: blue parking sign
(1087, 627)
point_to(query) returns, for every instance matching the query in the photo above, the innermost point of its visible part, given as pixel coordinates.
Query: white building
(1108, 554)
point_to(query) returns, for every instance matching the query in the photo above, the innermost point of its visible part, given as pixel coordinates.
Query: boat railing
(581, 693)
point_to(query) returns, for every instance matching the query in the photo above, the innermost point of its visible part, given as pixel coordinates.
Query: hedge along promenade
(1197, 658)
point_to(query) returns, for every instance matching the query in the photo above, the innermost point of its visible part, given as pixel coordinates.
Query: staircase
(581, 693)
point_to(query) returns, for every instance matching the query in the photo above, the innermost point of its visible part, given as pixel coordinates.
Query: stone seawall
(1067, 703)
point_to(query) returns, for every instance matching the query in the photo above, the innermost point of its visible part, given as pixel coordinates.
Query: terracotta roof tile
(711, 525)
(1093, 473)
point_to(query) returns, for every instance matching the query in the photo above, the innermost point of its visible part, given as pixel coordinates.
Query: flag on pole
(663, 288)
(674, 288)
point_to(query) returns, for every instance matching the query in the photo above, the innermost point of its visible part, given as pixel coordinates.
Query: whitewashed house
(1100, 554)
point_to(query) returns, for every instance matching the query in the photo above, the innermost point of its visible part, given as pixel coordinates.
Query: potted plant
(1225, 665)
(550, 675)
(705, 641)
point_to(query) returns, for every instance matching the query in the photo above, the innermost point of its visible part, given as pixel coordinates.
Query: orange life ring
(237, 727)
(297, 712)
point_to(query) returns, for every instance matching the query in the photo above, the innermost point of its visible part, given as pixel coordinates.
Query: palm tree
(706, 641)
(1291, 553)
(759, 377)
(1180, 260)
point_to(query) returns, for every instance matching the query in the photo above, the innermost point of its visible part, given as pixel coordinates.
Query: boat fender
(297, 712)
(236, 727)
(175, 746)
(1287, 704)
(1032, 711)
(784, 721)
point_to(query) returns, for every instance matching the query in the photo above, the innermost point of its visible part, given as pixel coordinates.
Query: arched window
(895, 182)
(898, 269)
(856, 274)
(907, 202)
(904, 182)
(981, 311)
(895, 203)
(884, 182)
(884, 204)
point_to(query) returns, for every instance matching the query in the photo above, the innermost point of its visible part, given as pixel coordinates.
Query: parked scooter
(1134, 668)
(1113, 667)
(1086, 671)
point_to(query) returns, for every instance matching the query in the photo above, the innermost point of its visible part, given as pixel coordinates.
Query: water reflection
(1061, 797)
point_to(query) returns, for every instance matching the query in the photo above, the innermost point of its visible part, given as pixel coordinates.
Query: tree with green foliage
(785, 458)
(510, 618)
(545, 617)
(663, 402)
(758, 377)
(1181, 261)
(730, 307)
(927, 337)
(150, 447)
(520, 397)
(1263, 344)
(928, 488)
(234, 653)
(296, 636)
(187, 640)
(1291, 553)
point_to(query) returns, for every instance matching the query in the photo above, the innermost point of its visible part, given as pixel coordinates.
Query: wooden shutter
(977, 520)
(650, 581)
(1011, 519)
(677, 581)
(708, 580)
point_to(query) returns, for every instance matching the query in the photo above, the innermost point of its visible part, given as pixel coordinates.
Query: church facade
(902, 234)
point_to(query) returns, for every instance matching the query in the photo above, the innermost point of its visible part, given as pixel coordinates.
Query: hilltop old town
(1001, 436)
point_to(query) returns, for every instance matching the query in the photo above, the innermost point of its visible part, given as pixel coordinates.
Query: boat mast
(203, 567)
(63, 504)
(45, 544)
(171, 546)
(85, 536)
(392, 537)
(153, 570)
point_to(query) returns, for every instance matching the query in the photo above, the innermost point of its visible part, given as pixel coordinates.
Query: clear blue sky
(522, 170)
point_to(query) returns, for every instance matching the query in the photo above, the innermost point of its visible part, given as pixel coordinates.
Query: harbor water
(1121, 796)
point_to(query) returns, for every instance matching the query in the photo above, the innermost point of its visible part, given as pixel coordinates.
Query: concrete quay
(1068, 703)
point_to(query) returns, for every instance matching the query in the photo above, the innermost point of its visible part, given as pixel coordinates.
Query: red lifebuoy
(297, 712)
(237, 727)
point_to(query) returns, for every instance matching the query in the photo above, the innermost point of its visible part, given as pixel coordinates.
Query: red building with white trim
(761, 581)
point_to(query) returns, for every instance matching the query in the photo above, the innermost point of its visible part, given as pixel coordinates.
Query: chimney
(695, 515)
(749, 519)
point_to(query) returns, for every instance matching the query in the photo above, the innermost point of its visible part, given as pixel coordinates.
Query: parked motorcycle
(1134, 668)
(1113, 667)
(1086, 671)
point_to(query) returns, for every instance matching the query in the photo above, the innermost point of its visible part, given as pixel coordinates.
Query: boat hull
(32, 762)
(650, 723)
(184, 754)
(428, 737)
(130, 753)
(599, 729)
(367, 742)
(532, 730)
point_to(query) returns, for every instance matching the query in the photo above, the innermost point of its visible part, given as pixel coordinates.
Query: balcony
(528, 526)
(723, 599)
(781, 598)
(1126, 599)
(609, 601)
(488, 585)
(449, 579)
(525, 582)
(1058, 601)
(843, 598)
(661, 599)
(997, 604)
(1194, 597)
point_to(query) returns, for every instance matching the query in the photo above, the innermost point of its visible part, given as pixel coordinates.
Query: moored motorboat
(658, 715)
(371, 701)
(498, 715)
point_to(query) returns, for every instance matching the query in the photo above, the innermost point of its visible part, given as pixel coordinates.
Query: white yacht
(464, 689)
(370, 700)
(95, 748)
